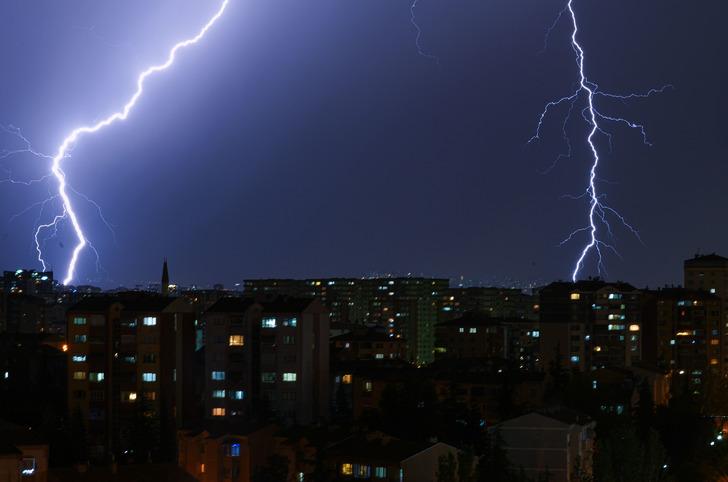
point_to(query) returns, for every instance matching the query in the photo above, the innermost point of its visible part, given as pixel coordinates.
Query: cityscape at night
(396, 241)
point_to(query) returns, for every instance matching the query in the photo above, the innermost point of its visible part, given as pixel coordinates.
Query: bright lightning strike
(70, 140)
(588, 92)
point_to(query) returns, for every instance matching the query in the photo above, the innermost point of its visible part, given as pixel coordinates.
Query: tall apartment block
(130, 358)
(406, 307)
(591, 324)
(267, 357)
(690, 338)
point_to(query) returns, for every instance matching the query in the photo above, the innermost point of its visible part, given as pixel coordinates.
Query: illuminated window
(218, 412)
(346, 379)
(236, 340)
(575, 296)
(461, 330)
(289, 377)
(234, 450)
(128, 396)
(218, 394)
(217, 375)
(615, 327)
(713, 361)
(76, 375)
(237, 394)
(379, 356)
(597, 348)
(535, 334)
(80, 339)
(149, 377)
(380, 472)
(362, 471)
(292, 322)
(268, 377)
(289, 340)
(79, 358)
(28, 466)
(574, 358)
(368, 386)
(615, 296)
(714, 342)
(202, 468)
(149, 321)
(473, 330)
(347, 469)
(96, 376)
(634, 327)
(79, 320)
(268, 323)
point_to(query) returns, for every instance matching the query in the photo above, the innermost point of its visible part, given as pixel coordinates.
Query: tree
(275, 471)
(446, 468)
(466, 459)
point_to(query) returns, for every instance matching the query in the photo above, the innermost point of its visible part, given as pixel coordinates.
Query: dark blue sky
(308, 138)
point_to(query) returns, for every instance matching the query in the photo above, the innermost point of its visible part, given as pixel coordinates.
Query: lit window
(575, 296)
(379, 356)
(149, 321)
(268, 377)
(368, 386)
(715, 341)
(202, 468)
(289, 377)
(96, 376)
(292, 322)
(615, 296)
(347, 469)
(76, 375)
(28, 466)
(574, 358)
(473, 330)
(362, 471)
(346, 379)
(535, 334)
(634, 327)
(236, 340)
(234, 450)
(237, 394)
(380, 472)
(615, 327)
(80, 339)
(149, 377)
(128, 396)
(289, 340)
(713, 361)
(461, 330)
(79, 320)
(217, 375)
(218, 412)
(597, 348)
(268, 323)
(218, 394)
(79, 358)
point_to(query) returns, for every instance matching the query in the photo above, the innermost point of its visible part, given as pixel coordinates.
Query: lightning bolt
(588, 92)
(70, 140)
(418, 38)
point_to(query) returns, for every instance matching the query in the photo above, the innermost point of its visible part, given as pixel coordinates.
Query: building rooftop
(706, 260)
(378, 447)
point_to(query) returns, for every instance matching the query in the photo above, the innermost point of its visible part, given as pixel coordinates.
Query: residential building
(378, 456)
(407, 307)
(559, 442)
(690, 338)
(268, 356)
(131, 358)
(23, 454)
(494, 301)
(590, 324)
(367, 344)
(225, 452)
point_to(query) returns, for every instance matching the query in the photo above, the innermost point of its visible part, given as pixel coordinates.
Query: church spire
(165, 279)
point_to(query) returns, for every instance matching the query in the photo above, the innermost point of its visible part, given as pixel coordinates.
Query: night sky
(308, 138)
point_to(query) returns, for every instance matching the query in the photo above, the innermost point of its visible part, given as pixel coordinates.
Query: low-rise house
(558, 442)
